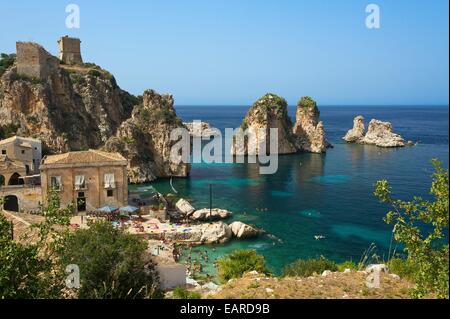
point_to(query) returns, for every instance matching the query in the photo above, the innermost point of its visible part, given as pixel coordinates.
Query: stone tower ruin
(69, 50)
(34, 61)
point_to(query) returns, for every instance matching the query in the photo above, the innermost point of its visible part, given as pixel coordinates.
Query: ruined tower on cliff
(34, 61)
(69, 50)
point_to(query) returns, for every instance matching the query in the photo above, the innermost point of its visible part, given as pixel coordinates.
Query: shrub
(182, 293)
(307, 102)
(239, 262)
(8, 130)
(348, 265)
(402, 267)
(307, 267)
(112, 263)
(422, 227)
(6, 60)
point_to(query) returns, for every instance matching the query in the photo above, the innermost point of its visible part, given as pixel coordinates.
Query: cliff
(78, 107)
(270, 111)
(144, 139)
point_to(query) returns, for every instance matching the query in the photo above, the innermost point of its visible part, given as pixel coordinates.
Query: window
(80, 182)
(55, 182)
(109, 193)
(3, 152)
(22, 151)
(110, 181)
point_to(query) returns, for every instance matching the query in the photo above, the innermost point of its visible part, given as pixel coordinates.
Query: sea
(328, 195)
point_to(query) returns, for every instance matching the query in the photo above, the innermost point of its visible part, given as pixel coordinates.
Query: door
(11, 203)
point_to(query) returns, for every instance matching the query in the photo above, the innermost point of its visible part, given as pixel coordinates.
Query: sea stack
(378, 133)
(308, 130)
(270, 111)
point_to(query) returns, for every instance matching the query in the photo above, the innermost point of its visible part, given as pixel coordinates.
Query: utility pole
(210, 199)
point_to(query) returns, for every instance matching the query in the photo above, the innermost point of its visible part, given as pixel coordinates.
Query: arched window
(2, 180)
(15, 180)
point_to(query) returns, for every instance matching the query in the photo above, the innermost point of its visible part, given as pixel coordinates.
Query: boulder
(206, 214)
(356, 134)
(377, 268)
(216, 233)
(184, 207)
(242, 231)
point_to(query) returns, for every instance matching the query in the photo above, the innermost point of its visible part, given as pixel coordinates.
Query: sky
(230, 52)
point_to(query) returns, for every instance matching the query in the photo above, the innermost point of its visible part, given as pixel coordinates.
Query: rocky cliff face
(270, 111)
(378, 133)
(144, 139)
(79, 107)
(309, 131)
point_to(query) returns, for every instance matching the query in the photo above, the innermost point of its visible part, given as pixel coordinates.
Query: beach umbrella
(129, 209)
(108, 209)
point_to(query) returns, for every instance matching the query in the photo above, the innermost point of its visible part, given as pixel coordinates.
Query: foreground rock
(205, 214)
(379, 133)
(270, 111)
(308, 130)
(243, 231)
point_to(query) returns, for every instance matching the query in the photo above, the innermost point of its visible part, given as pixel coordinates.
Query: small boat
(319, 237)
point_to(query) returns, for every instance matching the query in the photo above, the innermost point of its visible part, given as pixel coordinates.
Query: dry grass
(334, 286)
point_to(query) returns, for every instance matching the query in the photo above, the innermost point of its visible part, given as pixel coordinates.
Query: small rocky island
(379, 133)
(270, 111)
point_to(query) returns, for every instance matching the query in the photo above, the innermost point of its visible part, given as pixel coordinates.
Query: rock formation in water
(356, 134)
(309, 131)
(378, 133)
(201, 129)
(80, 106)
(144, 139)
(243, 231)
(270, 111)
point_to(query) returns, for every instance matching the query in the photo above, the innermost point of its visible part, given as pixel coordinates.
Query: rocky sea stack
(79, 106)
(378, 133)
(308, 130)
(270, 111)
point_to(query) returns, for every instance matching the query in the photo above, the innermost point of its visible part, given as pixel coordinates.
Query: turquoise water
(318, 194)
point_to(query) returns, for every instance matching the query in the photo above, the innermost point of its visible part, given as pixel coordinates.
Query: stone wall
(69, 50)
(34, 61)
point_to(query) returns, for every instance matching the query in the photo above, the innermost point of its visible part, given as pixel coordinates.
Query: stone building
(34, 61)
(88, 179)
(69, 50)
(20, 156)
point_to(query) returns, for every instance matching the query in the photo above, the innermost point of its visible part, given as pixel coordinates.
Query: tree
(239, 262)
(112, 263)
(422, 227)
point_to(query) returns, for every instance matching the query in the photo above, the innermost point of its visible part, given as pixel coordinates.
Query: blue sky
(233, 51)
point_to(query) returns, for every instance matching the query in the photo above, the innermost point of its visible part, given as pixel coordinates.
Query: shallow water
(313, 194)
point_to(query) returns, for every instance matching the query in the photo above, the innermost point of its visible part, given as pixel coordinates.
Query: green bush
(239, 262)
(112, 263)
(8, 130)
(348, 265)
(307, 267)
(182, 293)
(402, 267)
(421, 226)
(6, 60)
(307, 102)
